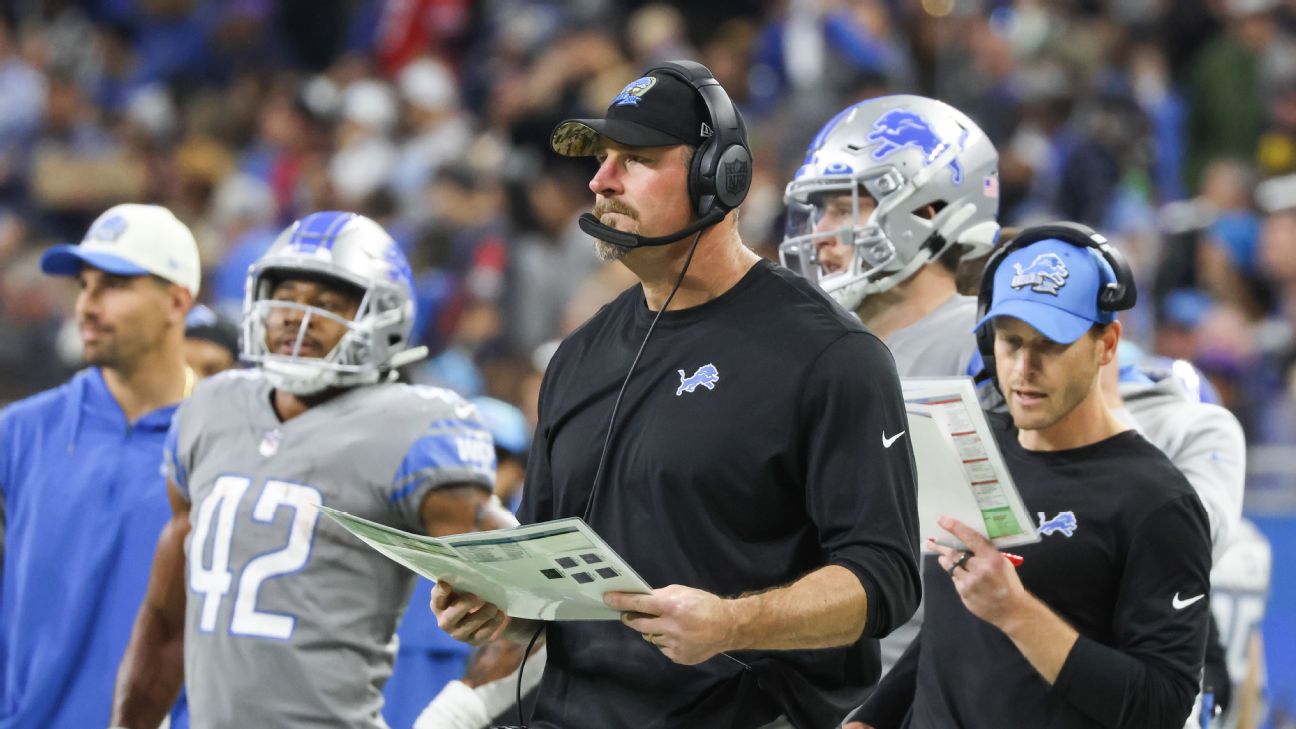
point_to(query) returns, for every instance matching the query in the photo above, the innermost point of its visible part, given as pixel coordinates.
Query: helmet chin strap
(406, 356)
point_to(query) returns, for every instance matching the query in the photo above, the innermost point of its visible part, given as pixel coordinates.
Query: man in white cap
(80, 471)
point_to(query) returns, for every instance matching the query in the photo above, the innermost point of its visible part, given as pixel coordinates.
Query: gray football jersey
(289, 620)
(940, 344)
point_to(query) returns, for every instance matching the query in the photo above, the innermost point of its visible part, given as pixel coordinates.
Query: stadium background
(1152, 120)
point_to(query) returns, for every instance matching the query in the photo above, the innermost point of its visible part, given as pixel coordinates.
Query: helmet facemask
(817, 219)
(365, 354)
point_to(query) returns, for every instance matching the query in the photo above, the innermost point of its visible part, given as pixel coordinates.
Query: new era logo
(707, 132)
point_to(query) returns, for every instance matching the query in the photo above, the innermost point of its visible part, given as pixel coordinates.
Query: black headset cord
(616, 404)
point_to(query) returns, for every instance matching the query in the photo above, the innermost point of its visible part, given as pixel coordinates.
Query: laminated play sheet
(555, 570)
(961, 472)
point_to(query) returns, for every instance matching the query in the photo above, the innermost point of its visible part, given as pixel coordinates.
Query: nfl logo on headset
(735, 176)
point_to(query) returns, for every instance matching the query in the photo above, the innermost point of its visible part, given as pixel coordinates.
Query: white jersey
(1239, 594)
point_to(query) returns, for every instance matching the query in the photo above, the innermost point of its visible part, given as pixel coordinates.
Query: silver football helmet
(355, 251)
(906, 153)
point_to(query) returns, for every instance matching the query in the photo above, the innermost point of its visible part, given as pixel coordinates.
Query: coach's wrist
(738, 616)
(1017, 614)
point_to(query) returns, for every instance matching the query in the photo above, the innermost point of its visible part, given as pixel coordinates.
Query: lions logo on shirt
(706, 376)
(1064, 522)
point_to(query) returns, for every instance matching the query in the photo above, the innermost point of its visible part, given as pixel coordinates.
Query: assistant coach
(1104, 624)
(757, 467)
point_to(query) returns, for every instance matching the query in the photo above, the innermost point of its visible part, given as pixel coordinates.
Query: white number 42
(216, 523)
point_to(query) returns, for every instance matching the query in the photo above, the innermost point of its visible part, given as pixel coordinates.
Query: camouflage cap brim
(579, 137)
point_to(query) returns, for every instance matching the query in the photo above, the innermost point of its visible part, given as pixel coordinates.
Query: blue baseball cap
(1053, 286)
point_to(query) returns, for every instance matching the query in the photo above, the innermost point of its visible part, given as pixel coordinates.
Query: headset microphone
(593, 227)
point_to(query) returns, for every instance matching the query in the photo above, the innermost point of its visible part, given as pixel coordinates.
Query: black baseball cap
(659, 109)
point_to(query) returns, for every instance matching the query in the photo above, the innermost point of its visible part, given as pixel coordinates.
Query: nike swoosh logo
(1181, 604)
(886, 442)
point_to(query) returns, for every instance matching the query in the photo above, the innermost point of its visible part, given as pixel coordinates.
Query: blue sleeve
(5, 445)
(6, 482)
(450, 452)
(172, 465)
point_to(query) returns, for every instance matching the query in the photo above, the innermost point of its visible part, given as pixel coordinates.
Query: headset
(720, 173)
(1115, 294)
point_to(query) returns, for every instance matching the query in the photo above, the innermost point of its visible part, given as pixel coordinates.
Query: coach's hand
(466, 617)
(986, 582)
(688, 625)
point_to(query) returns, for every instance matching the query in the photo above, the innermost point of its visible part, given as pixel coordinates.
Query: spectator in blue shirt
(80, 472)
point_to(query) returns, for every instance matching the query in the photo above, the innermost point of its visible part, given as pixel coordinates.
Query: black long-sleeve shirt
(1124, 558)
(750, 449)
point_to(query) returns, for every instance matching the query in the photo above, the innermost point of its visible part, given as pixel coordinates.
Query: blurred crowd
(1167, 124)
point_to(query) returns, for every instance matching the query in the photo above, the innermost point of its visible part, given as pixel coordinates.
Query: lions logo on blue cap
(633, 93)
(1046, 274)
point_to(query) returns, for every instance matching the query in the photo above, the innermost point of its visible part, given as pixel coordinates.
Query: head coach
(1104, 624)
(736, 436)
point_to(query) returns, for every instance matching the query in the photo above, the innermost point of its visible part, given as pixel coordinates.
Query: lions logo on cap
(1046, 274)
(108, 229)
(633, 93)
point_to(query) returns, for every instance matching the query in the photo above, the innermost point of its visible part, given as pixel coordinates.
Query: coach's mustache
(604, 207)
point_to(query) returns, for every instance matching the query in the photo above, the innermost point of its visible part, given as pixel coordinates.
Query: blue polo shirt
(84, 503)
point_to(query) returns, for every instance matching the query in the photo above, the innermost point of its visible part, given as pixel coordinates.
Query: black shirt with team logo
(1124, 558)
(748, 452)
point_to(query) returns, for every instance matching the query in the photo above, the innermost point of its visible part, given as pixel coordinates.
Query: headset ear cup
(731, 177)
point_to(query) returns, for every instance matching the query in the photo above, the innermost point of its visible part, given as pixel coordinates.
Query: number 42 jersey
(289, 619)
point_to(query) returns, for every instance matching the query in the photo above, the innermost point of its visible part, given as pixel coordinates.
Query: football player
(894, 193)
(270, 614)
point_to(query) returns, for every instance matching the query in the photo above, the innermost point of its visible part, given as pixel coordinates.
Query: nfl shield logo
(269, 444)
(735, 176)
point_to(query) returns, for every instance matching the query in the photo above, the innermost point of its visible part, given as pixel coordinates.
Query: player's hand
(688, 625)
(856, 725)
(466, 617)
(494, 661)
(986, 582)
